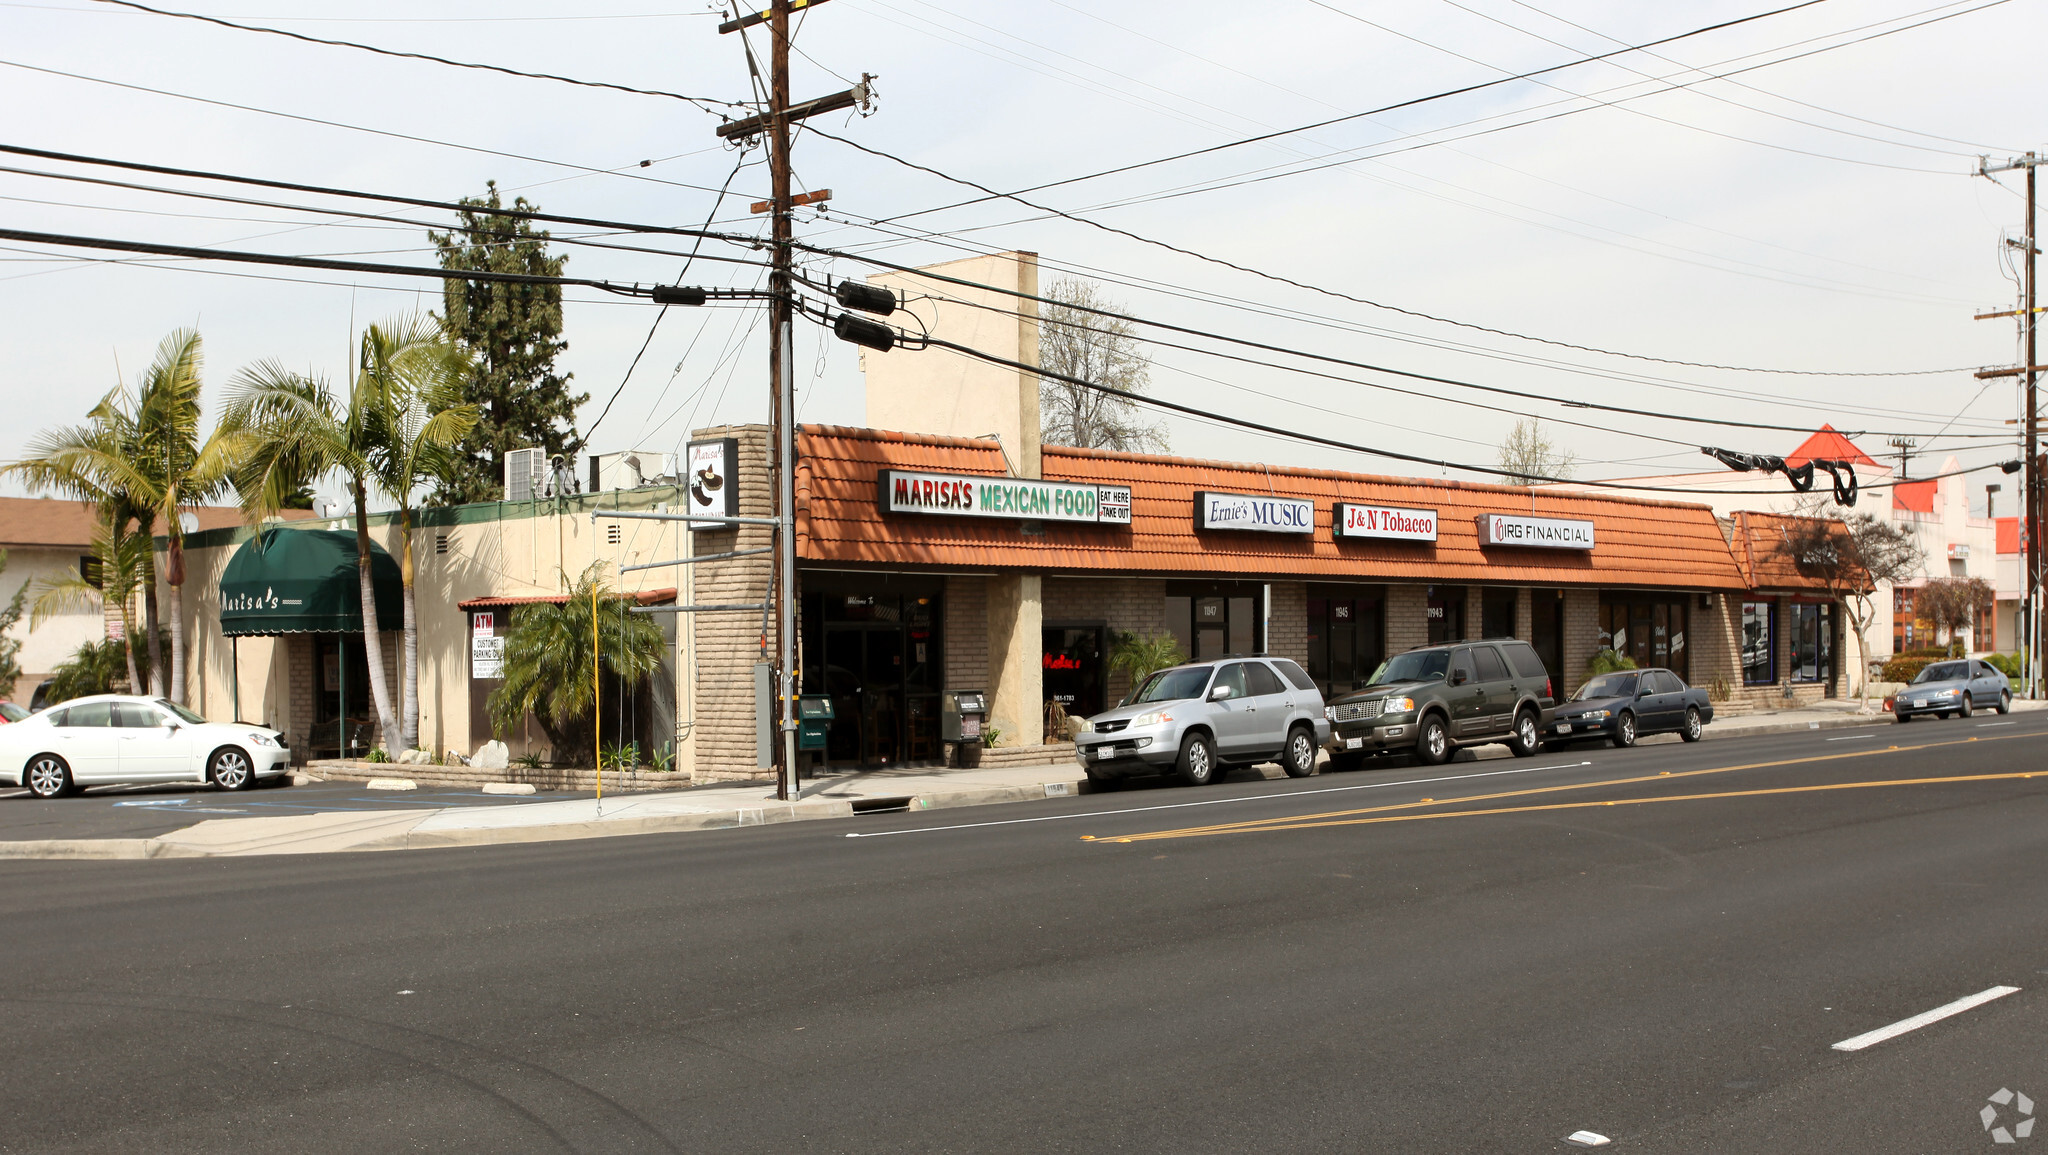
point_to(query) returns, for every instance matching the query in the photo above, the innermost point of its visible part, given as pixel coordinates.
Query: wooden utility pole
(2031, 505)
(775, 121)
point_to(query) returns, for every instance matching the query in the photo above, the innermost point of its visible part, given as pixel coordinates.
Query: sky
(1778, 222)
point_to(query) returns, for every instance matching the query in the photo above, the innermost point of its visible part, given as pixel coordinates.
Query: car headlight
(263, 740)
(1944, 693)
(1597, 714)
(1330, 712)
(1086, 727)
(1155, 718)
(1397, 705)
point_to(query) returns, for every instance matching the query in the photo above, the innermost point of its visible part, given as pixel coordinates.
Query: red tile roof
(1828, 445)
(1658, 544)
(1759, 541)
(54, 521)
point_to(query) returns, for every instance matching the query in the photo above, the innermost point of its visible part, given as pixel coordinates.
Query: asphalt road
(1657, 945)
(158, 808)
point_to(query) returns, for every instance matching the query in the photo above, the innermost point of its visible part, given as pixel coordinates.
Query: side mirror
(1218, 693)
(1457, 677)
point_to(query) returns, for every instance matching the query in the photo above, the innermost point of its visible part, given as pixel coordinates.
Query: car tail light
(1546, 688)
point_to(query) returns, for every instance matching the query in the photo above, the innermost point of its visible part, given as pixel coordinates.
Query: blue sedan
(1957, 687)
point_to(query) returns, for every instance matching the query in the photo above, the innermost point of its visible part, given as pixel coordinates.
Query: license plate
(1104, 753)
(1919, 703)
(1354, 743)
(1564, 727)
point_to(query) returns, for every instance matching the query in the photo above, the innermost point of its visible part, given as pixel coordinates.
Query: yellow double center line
(1369, 815)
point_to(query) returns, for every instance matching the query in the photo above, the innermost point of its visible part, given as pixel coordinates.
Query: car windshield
(1421, 666)
(1173, 685)
(12, 712)
(1607, 686)
(183, 714)
(1945, 672)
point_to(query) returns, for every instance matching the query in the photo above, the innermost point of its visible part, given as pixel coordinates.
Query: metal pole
(341, 690)
(782, 411)
(2033, 466)
(596, 700)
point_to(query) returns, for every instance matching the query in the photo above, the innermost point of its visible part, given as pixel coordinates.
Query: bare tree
(1528, 455)
(1076, 343)
(1953, 603)
(1851, 555)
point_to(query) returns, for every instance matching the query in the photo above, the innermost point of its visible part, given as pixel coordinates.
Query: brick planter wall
(471, 777)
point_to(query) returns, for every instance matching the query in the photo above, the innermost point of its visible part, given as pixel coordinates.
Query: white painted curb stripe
(1872, 1038)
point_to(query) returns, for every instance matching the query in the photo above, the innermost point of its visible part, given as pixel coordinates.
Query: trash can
(961, 718)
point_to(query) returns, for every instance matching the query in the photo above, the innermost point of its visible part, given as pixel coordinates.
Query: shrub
(377, 754)
(1607, 661)
(2013, 665)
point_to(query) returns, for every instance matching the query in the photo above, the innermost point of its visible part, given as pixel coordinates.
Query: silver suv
(1200, 719)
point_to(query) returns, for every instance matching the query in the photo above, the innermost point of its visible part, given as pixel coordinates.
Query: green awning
(303, 581)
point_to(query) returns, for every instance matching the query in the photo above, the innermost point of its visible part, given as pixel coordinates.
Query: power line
(592, 431)
(1275, 277)
(701, 102)
(582, 168)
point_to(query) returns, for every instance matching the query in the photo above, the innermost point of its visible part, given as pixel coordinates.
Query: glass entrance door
(864, 677)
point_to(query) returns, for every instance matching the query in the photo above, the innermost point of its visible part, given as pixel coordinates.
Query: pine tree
(513, 334)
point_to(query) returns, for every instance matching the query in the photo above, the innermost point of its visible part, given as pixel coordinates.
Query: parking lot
(146, 811)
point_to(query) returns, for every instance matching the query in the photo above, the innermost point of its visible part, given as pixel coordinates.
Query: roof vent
(524, 471)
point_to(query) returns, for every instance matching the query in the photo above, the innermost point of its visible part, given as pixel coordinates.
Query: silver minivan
(1200, 719)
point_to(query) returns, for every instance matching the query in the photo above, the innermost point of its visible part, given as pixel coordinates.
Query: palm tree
(420, 418)
(142, 461)
(121, 557)
(298, 428)
(402, 411)
(548, 661)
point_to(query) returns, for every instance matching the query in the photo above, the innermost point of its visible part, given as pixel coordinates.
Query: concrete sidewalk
(710, 808)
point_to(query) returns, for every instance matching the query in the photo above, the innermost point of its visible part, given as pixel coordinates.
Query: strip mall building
(951, 559)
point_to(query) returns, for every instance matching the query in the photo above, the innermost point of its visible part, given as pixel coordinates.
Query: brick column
(1407, 618)
(1287, 631)
(1525, 618)
(1581, 635)
(1475, 612)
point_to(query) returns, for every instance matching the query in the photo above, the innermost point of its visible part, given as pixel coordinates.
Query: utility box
(963, 715)
(814, 716)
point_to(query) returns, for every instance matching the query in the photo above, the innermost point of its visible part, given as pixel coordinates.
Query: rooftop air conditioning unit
(525, 471)
(629, 469)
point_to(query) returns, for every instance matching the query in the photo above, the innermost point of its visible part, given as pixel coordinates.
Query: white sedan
(120, 738)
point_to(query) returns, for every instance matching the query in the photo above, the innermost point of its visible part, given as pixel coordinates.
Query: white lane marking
(1849, 738)
(1985, 725)
(1220, 801)
(1872, 1038)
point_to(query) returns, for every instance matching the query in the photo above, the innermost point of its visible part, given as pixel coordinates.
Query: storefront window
(1650, 629)
(1546, 632)
(1346, 636)
(1813, 631)
(1904, 634)
(1211, 619)
(1446, 610)
(1497, 613)
(1759, 643)
(1073, 668)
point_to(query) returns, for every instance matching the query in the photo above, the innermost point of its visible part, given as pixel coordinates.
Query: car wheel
(1346, 761)
(1300, 759)
(1941, 714)
(1625, 729)
(1104, 782)
(1694, 728)
(2004, 701)
(1526, 741)
(1197, 764)
(230, 769)
(49, 777)
(1903, 717)
(1967, 706)
(1433, 741)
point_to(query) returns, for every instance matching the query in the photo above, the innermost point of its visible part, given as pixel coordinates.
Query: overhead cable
(704, 103)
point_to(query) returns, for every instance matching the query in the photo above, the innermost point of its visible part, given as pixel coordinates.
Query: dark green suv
(1434, 699)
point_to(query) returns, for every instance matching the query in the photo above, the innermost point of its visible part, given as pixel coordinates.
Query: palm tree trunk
(373, 646)
(128, 645)
(409, 678)
(174, 578)
(149, 619)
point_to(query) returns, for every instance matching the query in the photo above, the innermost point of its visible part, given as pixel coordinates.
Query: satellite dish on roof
(188, 521)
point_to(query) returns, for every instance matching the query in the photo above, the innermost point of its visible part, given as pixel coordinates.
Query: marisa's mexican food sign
(972, 495)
